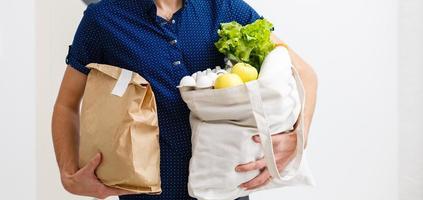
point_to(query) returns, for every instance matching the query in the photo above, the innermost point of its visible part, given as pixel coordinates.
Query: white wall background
(56, 25)
(352, 44)
(353, 47)
(411, 98)
(17, 100)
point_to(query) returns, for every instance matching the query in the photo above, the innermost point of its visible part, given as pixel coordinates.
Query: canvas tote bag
(224, 120)
(119, 120)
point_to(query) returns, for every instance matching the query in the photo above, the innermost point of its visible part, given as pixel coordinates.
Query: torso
(135, 38)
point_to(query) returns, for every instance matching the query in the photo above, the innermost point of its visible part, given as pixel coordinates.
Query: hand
(284, 147)
(85, 183)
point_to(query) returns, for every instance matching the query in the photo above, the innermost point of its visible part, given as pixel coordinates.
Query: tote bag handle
(259, 114)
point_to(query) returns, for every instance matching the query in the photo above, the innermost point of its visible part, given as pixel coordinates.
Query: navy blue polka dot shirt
(129, 34)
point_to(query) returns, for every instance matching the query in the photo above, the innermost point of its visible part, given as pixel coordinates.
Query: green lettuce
(249, 44)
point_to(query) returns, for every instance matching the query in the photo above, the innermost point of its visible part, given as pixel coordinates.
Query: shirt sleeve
(242, 12)
(86, 47)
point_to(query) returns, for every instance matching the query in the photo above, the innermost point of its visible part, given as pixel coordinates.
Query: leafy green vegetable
(249, 44)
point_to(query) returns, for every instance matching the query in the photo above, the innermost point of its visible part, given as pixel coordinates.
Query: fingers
(256, 139)
(86, 183)
(260, 180)
(259, 164)
(93, 164)
(276, 138)
(102, 191)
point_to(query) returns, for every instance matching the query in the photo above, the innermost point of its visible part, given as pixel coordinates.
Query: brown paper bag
(123, 129)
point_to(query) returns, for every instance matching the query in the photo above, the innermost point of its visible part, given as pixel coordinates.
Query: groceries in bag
(225, 117)
(218, 78)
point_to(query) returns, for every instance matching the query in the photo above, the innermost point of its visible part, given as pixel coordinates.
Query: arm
(309, 78)
(65, 132)
(284, 145)
(65, 122)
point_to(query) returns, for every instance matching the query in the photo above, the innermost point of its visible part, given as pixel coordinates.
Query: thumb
(94, 163)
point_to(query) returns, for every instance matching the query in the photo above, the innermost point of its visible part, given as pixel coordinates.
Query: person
(163, 41)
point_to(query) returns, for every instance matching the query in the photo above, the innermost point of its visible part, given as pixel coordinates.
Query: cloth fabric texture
(129, 34)
(223, 122)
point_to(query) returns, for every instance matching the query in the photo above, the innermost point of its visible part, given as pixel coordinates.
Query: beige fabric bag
(224, 120)
(119, 119)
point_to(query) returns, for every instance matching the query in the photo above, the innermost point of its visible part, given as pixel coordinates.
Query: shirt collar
(150, 8)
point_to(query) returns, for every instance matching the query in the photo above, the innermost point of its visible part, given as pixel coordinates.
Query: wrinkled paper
(124, 129)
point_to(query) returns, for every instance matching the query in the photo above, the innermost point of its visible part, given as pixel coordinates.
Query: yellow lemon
(227, 80)
(245, 71)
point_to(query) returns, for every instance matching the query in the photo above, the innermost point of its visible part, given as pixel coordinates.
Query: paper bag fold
(123, 129)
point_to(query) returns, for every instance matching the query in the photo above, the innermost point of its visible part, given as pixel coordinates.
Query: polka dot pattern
(129, 34)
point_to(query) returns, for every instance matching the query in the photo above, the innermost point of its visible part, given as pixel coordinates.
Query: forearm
(65, 130)
(309, 78)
